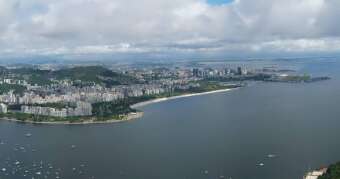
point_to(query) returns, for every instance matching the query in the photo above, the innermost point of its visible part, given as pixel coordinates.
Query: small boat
(28, 135)
(261, 164)
(271, 155)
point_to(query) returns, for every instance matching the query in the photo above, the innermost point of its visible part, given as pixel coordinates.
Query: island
(97, 94)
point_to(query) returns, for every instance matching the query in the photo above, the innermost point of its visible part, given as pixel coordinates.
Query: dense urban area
(46, 93)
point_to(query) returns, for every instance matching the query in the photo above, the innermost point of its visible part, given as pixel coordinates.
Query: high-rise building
(195, 72)
(227, 71)
(239, 71)
(3, 108)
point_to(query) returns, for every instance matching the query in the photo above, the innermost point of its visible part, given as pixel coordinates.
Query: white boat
(271, 155)
(260, 164)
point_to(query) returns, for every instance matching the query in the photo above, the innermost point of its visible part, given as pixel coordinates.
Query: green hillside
(33, 76)
(95, 74)
(333, 172)
(85, 74)
(5, 88)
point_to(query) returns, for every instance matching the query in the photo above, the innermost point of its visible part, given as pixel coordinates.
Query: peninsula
(97, 94)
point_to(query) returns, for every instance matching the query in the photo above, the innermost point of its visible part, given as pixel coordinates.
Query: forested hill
(95, 74)
(87, 74)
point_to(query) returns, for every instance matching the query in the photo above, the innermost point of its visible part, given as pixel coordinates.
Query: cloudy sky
(171, 28)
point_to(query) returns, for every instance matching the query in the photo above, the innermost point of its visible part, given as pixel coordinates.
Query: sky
(218, 2)
(168, 28)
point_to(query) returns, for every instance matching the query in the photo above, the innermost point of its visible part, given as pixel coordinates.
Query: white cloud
(301, 45)
(167, 26)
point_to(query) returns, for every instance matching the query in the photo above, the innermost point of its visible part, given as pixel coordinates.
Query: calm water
(203, 137)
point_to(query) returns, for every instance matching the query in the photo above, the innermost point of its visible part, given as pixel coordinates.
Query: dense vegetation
(18, 89)
(31, 117)
(85, 74)
(96, 74)
(333, 172)
(32, 76)
(106, 109)
(39, 118)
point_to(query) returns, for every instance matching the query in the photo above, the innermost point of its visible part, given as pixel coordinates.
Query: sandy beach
(176, 97)
(129, 117)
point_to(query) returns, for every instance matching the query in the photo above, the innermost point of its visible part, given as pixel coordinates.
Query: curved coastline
(129, 117)
(145, 103)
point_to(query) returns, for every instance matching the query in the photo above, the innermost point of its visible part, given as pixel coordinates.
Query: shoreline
(157, 100)
(129, 117)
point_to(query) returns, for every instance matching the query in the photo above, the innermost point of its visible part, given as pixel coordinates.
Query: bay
(289, 128)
